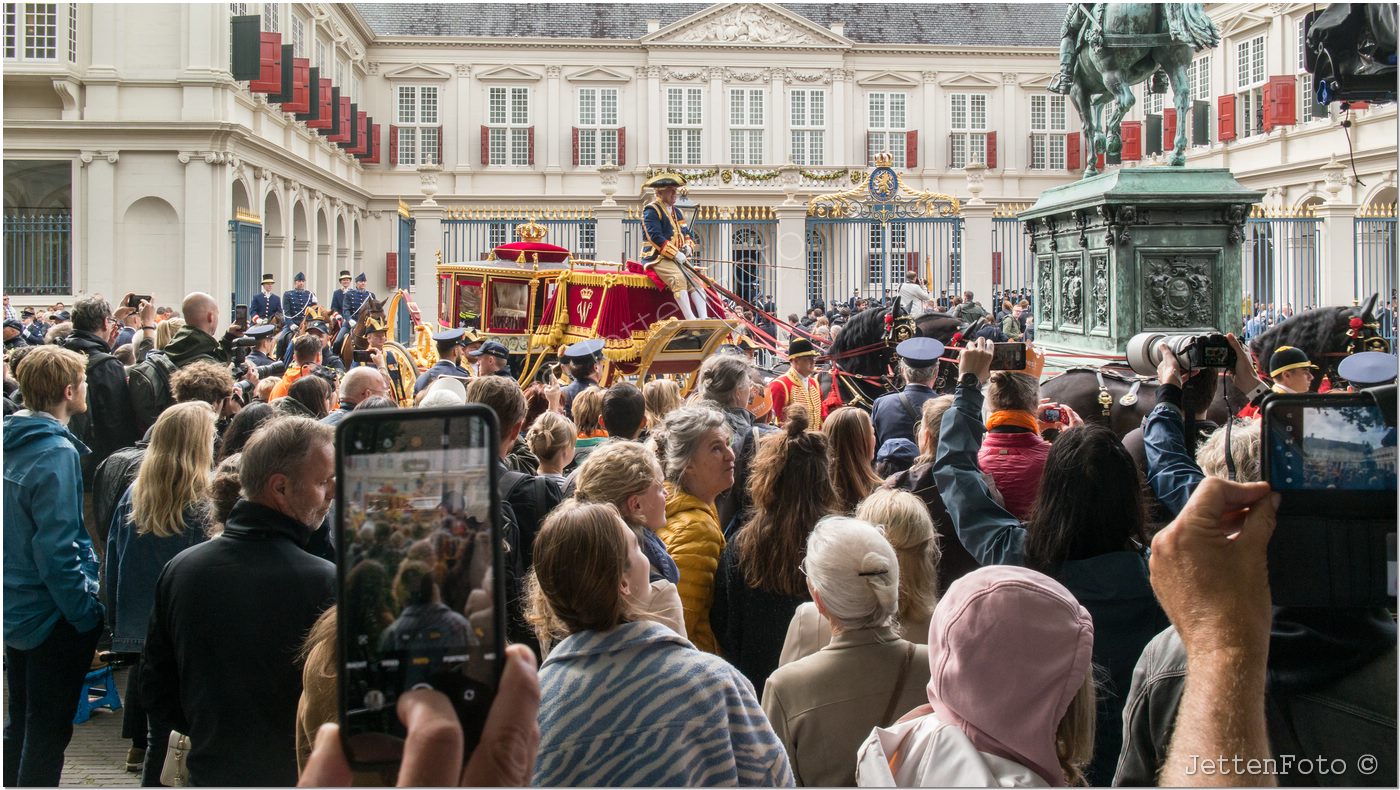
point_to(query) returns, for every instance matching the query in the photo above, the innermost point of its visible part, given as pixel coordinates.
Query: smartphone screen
(1347, 447)
(240, 314)
(134, 301)
(417, 529)
(1009, 356)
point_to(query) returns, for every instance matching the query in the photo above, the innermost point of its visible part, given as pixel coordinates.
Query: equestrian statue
(1107, 48)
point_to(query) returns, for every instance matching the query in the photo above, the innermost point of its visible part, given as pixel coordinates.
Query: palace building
(155, 147)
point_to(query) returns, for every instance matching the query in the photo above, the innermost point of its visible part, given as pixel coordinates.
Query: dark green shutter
(245, 52)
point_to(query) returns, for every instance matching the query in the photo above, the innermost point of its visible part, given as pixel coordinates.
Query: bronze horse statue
(1119, 46)
(1324, 334)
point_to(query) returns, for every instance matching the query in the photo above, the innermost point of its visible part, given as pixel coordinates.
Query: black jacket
(220, 663)
(108, 425)
(194, 345)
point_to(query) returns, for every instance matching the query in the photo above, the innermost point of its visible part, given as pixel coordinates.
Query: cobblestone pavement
(96, 757)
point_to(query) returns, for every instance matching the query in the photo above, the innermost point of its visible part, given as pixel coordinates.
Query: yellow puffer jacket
(694, 540)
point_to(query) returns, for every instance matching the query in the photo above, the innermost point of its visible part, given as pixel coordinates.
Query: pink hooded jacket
(1009, 648)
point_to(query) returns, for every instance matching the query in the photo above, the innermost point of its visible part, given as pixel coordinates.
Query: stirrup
(1060, 84)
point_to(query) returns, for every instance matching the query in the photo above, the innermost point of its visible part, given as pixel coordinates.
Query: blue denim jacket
(134, 562)
(1171, 471)
(50, 567)
(991, 534)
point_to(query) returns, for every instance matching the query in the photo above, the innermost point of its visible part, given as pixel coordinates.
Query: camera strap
(1229, 424)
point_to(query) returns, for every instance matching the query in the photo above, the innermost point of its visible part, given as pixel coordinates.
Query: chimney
(653, 25)
(839, 28)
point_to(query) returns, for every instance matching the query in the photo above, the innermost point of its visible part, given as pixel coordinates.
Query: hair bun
(797, 420)
(874, 565)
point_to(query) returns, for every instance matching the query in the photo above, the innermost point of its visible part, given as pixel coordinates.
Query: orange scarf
(1019, 419)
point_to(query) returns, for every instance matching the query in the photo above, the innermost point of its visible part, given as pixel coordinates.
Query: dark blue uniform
(295, 303)
(259, 359)
(893, 420)
(575, 387)
(265, 305)
(442, 368)
(338, 300)
(352, 300)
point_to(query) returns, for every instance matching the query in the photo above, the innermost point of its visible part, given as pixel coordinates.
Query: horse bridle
(1106, 399)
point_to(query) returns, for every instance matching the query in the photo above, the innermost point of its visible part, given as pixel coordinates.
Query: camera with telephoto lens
(242, 347)
(1193, 352)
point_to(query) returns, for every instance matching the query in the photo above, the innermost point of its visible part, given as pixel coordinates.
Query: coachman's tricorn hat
(664, 179)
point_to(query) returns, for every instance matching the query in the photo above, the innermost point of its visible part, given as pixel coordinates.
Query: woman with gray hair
(825, 705)
(726, 381)
(693, 447)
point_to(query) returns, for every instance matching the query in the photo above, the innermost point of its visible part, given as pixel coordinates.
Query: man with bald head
(365, 381)
(195, 342)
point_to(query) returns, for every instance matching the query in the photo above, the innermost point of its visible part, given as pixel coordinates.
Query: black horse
(862, 377)
(1322, 334)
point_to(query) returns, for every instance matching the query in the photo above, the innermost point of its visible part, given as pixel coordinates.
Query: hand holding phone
(134, 300)
(1009, 356)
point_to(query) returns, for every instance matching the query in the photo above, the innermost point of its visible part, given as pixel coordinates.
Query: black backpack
(149, 386)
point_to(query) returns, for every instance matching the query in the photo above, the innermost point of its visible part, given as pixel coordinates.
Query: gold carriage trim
(557, 329)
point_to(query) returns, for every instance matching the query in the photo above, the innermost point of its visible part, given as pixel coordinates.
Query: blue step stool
(99, 691)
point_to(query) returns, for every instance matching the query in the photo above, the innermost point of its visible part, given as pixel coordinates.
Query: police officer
(896, 414)
(492, 359)
(329, 358)
(451, 348)
(265, 335)
(265, 304)
(338, 298)
(582, 358)
(1368, 369)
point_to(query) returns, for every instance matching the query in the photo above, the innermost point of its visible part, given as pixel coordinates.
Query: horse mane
(1317, 332)
(862, 329)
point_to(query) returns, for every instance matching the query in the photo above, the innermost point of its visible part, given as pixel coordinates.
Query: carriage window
(510, 302)
(1250, 76)
(469, 304)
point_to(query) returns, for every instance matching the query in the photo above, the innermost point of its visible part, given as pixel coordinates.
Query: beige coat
(809, 632)
(825, 705)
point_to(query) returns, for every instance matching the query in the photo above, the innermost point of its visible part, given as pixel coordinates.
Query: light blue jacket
(50, 567)
(639, 706)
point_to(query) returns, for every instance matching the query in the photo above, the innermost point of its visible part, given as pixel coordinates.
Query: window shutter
(284, 81)
(991, 150)
(1225, 117)
(530, 143)
(911, 149)
(1280, 105)
(313, 97)
(1168, 129)
(375, 147)
(485, 145)
(1151, 135)
(246, 50)
(393, 145)
(1072, 141)
(439, 145)
(361, 145)
(347, 122)
(575, 146)
(1132, 141)
(299, 100)
(391, 269)
(269, 64)
(911, 262)
(1200, 123)
(323, 109)
(621, 146)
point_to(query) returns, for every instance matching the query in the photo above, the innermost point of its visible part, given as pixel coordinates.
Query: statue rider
(1079, 15)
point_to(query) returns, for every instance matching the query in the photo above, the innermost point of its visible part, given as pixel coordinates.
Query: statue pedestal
(1134, 250)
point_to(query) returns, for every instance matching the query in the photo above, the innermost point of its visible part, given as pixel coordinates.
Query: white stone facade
(165, 148)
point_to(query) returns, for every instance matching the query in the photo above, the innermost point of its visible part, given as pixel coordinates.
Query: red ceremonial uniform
(790, 388)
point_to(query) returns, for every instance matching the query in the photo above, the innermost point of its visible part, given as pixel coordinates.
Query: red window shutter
(911, 262)
(485, 146)
(575, 146)
(530, 143)
(621, 146)
(1168, 129)
(439, 146)
(346, 120)
(991, 150)
(1072, 161)
(1225, 117)
(393, 145)
(911, 149)
(1281, 104)
(1132, 141)
(301, 88)
(391, 269)
(269, 64)
(323, 114)
(360, 135)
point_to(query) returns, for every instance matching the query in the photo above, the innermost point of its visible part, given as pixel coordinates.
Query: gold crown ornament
(531, 231)
(884, 159)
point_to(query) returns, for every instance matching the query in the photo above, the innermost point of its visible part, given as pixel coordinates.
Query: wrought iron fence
(473, 234)
(1013, 265)
(1282, 262)
(737, 246)
(1375, 262)
(860, 257)
(39, 253)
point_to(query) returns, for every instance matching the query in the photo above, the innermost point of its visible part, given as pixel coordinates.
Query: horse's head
(1364, 330)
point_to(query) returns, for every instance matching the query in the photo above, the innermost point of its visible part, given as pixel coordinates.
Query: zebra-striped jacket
(640, 706)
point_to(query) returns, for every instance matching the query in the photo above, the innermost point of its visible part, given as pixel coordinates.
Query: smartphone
(240, 314)
(134, 301)
(421, 591)
(361, 355)
(1009, 356)
(1332, 459)
(1050, 414)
